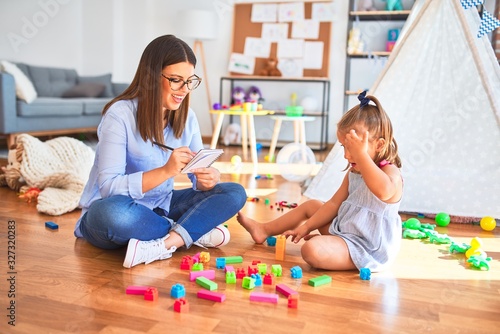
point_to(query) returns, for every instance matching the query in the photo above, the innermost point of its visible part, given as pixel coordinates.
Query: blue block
(51, 225)
(365, 274)
(178, 291)
(296, 272)
(220, 263)
(271, 241)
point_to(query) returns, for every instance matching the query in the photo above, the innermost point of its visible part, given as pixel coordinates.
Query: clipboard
(203, 159)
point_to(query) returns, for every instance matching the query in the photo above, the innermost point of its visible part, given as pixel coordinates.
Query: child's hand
(356, 144)
(298, 233)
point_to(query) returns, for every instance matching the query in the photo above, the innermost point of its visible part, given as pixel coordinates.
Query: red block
(181, 305)
(285, 290)
(151, 294)
(293, 301)
(136, 290)
(268, 279)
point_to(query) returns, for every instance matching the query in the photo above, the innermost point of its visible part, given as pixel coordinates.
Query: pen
(164, 146)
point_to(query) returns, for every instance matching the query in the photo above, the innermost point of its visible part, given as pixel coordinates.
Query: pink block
(229, 268)
(285, 290)
(211, 295)
(210, 274)
(264, 297)
(136, 290)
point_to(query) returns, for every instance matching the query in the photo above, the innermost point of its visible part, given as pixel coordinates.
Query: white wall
(96, 37)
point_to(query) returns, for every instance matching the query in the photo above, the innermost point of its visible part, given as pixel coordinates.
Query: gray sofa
(66, 102)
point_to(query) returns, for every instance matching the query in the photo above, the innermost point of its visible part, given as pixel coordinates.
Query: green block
(320, 280)
(206, 283)
(233, 259)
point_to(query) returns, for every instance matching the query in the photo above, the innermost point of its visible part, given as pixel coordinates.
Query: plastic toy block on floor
(240, 273)
(264, 297)
(296, 272)
(187, 262)
(365, 274)
(181, 305)
(204, 257)
(280, 247)
(51, 225)
(257, 279)
(271, 241)
(151, 294)
(229, 268)
(293, 301)
(231, 277)
(277, 270)
(220, 263)
(211, 295)
(210, 274)
(268, 279)
(206, 283)
(248, 283)
(285, 290)
(262, 267)
(177, 291)
(320, 280)
(136, 290)
(233, 259)
(197, 266)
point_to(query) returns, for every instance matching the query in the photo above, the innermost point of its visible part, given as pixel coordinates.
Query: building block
(268, 279)
(211, 295)
(186, 262)
(285, 290)
(296, 272)
(136, 290)
(51, 225)
(206, 283)
(293, 301)
(271, 241)
(365, 274)
(257, 278)
(389, 46)
(177, 291)
(262, 267)
(210, 274)
(233, 259)
(280, 247)
(252, 271)
(240, 273)
(220, 263)
(229, 268)
(264, 297)
(181, 305)
(248, 283)
(204, 257)
(393, 35)
(151, 294)
(255, 262)
(198, 266)
(276, 270)
(196, 258)
(320, 280)
(230, 277)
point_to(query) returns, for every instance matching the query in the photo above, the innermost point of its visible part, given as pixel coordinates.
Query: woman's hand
(206, 178)
(179, 159)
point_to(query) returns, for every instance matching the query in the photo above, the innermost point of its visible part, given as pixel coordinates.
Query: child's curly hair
(378, 124)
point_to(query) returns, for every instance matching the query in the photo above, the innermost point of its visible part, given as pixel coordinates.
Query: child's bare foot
(255, 229)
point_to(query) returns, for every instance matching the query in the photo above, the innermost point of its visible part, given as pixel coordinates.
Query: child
(360, 225)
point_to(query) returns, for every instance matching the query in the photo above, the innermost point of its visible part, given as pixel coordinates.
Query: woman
(129, 198)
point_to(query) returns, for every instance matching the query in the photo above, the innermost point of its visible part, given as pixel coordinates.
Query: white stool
(299, 130)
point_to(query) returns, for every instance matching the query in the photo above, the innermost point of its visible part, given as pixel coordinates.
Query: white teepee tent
(441, 89)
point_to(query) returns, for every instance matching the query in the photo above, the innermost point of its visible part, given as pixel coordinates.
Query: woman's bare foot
(255, 229)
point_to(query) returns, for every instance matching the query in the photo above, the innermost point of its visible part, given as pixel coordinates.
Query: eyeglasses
(177, 83)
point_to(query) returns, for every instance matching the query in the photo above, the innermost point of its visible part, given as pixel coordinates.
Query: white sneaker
(147, 251)
(217, 237)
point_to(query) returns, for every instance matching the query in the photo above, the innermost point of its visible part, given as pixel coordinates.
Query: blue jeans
(111, 222)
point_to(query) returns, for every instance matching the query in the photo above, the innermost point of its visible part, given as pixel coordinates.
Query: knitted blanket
(60, 167)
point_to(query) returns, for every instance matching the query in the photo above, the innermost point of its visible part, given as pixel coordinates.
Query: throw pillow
(85, 89)
(24, 87)
(102, 79)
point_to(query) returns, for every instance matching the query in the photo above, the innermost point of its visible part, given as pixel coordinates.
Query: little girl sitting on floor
(360, 225)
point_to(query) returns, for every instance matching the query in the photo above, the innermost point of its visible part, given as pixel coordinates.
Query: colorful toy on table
(254, 95)
(439, 239)
(238, 95)
(458, 248)
(480, 262)
(488, 223)
(293, 109)
(476, 248)
(442, 219)
(393, 5)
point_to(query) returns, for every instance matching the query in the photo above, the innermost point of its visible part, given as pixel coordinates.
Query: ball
(488, 223)
(309, 103)
(235, 160)
(295, 162)
(442, 219)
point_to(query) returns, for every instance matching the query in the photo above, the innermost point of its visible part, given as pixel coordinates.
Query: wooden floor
(59, 284)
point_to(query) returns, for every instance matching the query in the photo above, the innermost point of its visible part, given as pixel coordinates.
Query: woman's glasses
(176, 83)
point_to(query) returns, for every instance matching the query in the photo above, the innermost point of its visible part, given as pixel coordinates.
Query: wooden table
(247, 128)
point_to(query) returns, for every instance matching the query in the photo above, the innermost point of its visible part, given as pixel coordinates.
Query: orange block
(280, 247)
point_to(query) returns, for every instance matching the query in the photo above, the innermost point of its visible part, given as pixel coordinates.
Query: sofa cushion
(24, 87)
(104, 79)
(94, 106)
(50, 106)
(85, 89)
(51, 81)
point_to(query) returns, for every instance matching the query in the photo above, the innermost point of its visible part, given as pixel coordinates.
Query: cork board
(243, 27)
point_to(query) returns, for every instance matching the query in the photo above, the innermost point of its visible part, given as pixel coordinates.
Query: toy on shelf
(254, 95)
(271, 69)
(355, 44)
(392, 37)
(393, 5)
(366, 5)
(238, 95)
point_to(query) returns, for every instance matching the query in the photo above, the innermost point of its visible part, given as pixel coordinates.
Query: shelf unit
(380, 21)
(323, 114)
